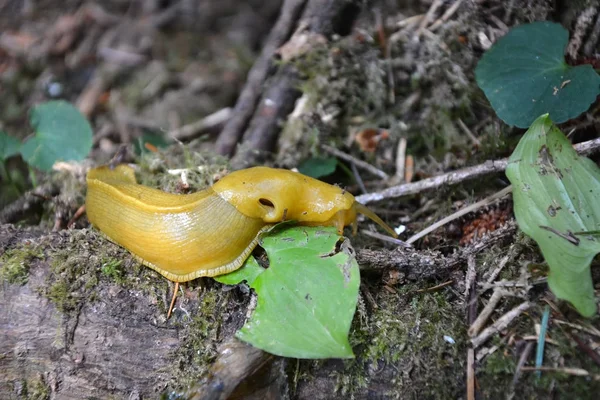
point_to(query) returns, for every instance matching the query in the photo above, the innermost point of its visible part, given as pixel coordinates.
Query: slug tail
(373, 217)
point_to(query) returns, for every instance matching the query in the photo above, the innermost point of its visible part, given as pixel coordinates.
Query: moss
(34, 389)
(402, 341)
(112, 269)
(202, 169)
(199, 346)
(75, 269)
(15, 263)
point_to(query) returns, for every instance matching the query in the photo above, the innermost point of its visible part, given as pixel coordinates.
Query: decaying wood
(101, 351)
(320, 17)
(428, 264)
(236, 362)
(246, 103)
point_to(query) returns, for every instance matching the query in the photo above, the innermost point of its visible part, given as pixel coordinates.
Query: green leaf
(307, 297)
(61, 133)
(9, 146)
(318, 167)
(525, 75)
(248, 272)
(556, 195)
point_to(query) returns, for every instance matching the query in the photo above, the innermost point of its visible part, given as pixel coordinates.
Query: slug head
(276, 195)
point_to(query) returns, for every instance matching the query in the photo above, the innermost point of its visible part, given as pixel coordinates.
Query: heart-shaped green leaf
(524, 75)
(61, 133)
(9, 146)
(307, 297)
(556, 197)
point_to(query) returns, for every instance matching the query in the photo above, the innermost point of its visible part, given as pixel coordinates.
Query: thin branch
(428, 264)
(458, 176)
(568, 371)
(359, 163)
(501, 324)
(486, 312)
(465, 210)
(190, 131)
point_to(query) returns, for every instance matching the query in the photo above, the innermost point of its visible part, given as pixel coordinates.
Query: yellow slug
(213, 231)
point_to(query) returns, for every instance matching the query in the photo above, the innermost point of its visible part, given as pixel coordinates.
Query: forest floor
(392, 98)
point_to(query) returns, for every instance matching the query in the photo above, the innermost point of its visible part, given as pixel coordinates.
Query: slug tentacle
(374, 217)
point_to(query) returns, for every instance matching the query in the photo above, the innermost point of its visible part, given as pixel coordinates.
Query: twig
(386, 49)
(486, 312)
(274, 106)
(512, 284)
(358, 179)
(235, 362)
(470, 374)
(458, 176)
(435, 288)
(584, 20)
(428, 264)
(460, 213)
(449, 12)
(522, 360)
(588, 329)
(468, 132)
(190, 131)
(509, 8)
(401, 159)
(498, 269)
(321, 19)
(432, 36)
(568, 371)
(386, 238)
(246, 103)
(470, 276)
(353, 160)
(409, 22)
(501, 324)
(428, 17)
(29, 203)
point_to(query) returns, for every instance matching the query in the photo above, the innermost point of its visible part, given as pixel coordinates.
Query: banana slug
(213, 231)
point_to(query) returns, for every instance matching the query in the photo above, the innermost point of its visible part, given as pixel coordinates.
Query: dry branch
(458, 176)
(428, 264)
